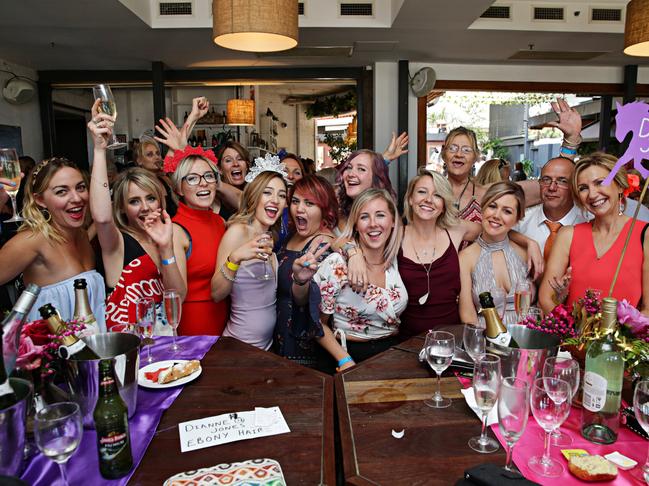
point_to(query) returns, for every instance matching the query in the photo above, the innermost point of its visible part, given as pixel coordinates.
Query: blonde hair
(37, 219)
(467, 132)
(250, 200)
(394, 243)
(184, 168)
(504, 188)
(139, 150)
(599, 159)
(449, 217)
(142, 178)
(489, 173)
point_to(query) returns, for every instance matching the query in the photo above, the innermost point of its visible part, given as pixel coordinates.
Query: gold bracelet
(231, 265)
(225, 275)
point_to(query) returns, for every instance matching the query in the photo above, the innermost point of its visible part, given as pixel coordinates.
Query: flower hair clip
(171, 162)
(270, 163)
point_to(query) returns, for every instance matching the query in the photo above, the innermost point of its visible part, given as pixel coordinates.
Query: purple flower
(631, 317)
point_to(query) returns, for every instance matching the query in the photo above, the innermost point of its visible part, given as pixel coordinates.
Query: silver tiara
(270, 163)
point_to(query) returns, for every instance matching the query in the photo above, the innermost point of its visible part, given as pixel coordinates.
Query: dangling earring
(622, 206)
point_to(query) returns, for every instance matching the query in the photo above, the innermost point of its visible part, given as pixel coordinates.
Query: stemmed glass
(550, 407)
(10, 169)
(641, 407)
(522, 298)
(173, 310)
(109, 107)
(145, 316)
(474, 342)
(499, 297)
(439, 349)
(58, 431)
(267, 238)
(566, 369)
(513, 411)
(486, 385)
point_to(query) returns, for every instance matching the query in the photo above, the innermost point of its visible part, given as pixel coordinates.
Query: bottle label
(5, 388)
(502, 339)
(594, 391)
(112, 444)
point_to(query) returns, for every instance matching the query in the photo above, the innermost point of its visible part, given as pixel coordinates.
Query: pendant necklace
(459, 199)
(424, 298)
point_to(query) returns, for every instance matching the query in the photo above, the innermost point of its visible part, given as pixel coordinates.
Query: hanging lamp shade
(241, 112)
(255, 25)
(636, 30)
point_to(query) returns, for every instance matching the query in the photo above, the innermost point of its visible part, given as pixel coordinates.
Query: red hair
(322, 194)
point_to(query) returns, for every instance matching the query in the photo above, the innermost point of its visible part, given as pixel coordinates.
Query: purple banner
(83, 466)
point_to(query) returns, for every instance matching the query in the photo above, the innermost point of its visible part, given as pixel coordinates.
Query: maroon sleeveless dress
(441, 308)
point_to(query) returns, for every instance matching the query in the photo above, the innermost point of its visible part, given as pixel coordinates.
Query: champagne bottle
(82, 310)
(496, 331)
(12, 325)
(600, 419)
(72, 347)
(111, 424)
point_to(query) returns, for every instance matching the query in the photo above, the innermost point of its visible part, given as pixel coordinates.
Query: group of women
(280, 259)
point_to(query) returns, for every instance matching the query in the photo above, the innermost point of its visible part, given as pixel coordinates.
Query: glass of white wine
(10, 169)
(173, 309)
(109, 107)
(486, 386)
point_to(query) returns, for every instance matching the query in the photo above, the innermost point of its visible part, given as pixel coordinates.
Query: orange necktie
(554, 229)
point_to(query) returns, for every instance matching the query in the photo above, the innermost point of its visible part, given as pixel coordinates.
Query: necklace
(424, 298)
(457, 201)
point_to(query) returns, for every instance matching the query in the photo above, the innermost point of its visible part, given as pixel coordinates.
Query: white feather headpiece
(270, 163)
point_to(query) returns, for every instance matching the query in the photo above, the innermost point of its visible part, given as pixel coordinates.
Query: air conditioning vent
(175, 8)
(606, 15)
(496, 12)
(356, 9)
(548, 13)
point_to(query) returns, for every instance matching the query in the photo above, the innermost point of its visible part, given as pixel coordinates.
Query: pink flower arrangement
(560, 322)
(633, 319)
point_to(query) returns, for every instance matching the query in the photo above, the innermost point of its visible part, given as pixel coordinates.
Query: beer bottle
(72, 347)
(111, 424)
(496, 331)
(82, 310)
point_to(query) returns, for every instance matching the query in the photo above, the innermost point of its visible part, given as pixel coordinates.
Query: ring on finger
(306, 264)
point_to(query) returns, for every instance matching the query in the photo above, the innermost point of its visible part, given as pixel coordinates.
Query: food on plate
(168, 374)
(592, 468)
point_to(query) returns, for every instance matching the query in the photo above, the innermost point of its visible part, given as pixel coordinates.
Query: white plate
(143, 381)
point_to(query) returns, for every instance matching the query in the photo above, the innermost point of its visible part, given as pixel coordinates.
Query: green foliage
(528, 166)
(339, 148)
(496, 146)
(332, 105)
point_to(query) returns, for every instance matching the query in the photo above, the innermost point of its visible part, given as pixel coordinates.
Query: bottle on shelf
(186, 116)
(82, 310)
(496, 332)
(12, 325)
(72, 347)
(604, 370)
(111, 424)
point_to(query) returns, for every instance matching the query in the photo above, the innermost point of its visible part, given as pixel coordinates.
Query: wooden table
(386, 393)
(238, 377)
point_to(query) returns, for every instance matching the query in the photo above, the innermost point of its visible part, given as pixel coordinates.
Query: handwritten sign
(632, 117)
(231, 427)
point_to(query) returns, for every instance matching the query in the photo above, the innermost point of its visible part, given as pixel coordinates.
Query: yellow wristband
(231, 266)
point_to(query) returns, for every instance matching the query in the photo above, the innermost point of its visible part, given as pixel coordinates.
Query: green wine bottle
(111, 424)
(72, 347)
(600, 419)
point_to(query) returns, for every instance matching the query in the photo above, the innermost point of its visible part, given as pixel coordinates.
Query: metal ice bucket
(82, 376)
(527, 361)
(12, 429)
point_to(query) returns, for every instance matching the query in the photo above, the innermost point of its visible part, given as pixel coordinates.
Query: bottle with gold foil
(600, 420)
(495, 331)
(72, 347)
(82, 310)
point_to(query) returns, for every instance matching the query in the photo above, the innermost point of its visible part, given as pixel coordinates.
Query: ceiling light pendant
(636, 30)
(241, 112)
(255, 25)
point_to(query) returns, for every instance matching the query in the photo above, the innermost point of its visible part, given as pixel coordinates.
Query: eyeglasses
(561, 182)
(195, 179)
(455, 148)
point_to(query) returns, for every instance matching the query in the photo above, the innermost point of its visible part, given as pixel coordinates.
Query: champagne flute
(439, 350)
(641, 408)
(500, 301)
(550, 401)
(513, 411)
(109, 107)
(474, 341)
(173, 310)
(267, 239)
(10, 169)
(145, 316)
(58, 431)
(566, 369)
(486, 385)
(522, 298)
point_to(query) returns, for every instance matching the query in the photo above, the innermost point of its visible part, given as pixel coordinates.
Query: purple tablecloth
(83, 466)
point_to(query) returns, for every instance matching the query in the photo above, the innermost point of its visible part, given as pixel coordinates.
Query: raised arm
(398, 146)
(556, 279)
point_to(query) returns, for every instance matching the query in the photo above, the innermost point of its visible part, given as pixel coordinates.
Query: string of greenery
(332, 105)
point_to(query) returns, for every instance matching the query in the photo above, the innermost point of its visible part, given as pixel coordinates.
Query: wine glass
(10, 169)
(486, 384)
(522, 298)
(109, 107)
(641, 407)
(58, 431)
(550, 401)
(513, 411)
(145, 317)
(267, 238)
(500, 301)
(566, 369)
(439, 350)
(474, 342)
(173, 310)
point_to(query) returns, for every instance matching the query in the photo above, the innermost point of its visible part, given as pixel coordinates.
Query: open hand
(170, 135)
(569, 120)
(398, 146)
(158, 226)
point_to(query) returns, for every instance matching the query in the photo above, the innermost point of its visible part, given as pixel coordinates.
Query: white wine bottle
(496, 332)
(600, 419)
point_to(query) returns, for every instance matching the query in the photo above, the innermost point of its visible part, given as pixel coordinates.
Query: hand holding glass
(474, 341)
(513, 411)
(641, 408)
(109, 107)
(173, 309)
(10, 169)
(486, 385)
(439, 349)
(266, 240)
(566, 369)
(145, 316)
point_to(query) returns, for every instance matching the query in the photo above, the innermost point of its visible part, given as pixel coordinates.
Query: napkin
(492, 418)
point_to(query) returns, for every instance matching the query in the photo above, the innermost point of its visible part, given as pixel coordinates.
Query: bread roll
(178, 371)
(592, 468)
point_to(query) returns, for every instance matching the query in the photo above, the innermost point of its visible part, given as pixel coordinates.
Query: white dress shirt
(533, 225)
